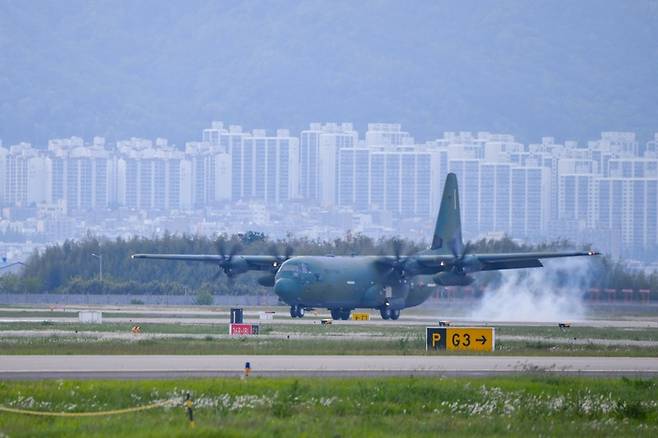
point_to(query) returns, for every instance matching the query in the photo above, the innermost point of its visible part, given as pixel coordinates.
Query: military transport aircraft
(388, 283)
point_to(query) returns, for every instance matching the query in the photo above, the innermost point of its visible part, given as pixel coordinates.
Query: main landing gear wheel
(297, 311)
(343, 314)
(385, 312)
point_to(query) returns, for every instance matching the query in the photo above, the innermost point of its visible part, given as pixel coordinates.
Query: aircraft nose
(287, 289)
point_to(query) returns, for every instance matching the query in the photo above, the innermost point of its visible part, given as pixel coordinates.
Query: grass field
(338, 329)
(332, 346)
(522, 406)
(306, 339)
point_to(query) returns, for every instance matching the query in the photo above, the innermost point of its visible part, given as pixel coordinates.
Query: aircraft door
(306, 274)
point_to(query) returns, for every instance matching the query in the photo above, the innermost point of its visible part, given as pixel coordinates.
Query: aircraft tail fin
(448, 230)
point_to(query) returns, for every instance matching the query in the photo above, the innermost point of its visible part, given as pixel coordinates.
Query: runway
(411, 321)
(157, 366)
(411, 318)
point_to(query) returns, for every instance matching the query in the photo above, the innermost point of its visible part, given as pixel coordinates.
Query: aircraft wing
(254, 262)
(491, 262)
(518, 260)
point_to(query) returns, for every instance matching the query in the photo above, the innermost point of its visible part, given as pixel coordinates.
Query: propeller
(456, 271)
(462, 263)
(459, 252)
(288, 251)
(394, 268)
(279, 259)
(226, 264)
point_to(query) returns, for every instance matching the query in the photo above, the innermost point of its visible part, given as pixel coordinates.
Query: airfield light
(100, 264)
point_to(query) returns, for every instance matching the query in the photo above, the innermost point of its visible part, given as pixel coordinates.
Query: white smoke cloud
(548, 294)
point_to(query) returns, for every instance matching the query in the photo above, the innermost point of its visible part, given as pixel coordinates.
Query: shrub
(204, 297)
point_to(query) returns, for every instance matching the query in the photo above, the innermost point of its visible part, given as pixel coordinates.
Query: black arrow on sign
(482, 340)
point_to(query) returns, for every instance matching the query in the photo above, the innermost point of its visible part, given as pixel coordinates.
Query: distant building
(387, 134)
(651, 149)
(152, 177)
(24, 178)
(211, 173)
(265, 168)
(602, 191)
(627, 209)
(318, 160)
(82, 177)
(354, 178)
(399, 180)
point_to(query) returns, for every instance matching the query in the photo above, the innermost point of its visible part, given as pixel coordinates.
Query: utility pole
(100, 265)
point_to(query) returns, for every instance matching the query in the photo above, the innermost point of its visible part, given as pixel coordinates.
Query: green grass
(332, 339)
(413, 345)
(520, 406)
(638, 334)
(646, 334)
(55, 345)
(116, 327)
(46, 314)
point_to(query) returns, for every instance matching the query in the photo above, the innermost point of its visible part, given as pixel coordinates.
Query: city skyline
(601, 192)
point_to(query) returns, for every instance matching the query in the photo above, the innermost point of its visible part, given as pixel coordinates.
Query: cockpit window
(296, 268)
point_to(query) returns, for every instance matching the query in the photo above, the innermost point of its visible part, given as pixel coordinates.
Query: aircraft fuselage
(342, 282)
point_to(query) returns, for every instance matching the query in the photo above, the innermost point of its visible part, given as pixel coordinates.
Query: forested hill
(149, 68)
(70, 267)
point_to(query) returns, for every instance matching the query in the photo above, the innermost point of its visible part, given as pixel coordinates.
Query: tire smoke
(548, 294)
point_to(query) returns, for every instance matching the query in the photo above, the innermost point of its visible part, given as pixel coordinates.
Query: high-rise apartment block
(265, 168)
(318, 160)
(152, 176)
(602, 192)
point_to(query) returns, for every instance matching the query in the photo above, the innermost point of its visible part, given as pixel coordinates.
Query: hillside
(120, 68)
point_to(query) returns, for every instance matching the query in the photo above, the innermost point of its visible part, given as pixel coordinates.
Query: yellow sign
(460, 338)
(360, 316)
(470, 339)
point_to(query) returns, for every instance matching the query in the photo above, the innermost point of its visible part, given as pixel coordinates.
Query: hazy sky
(530, 68)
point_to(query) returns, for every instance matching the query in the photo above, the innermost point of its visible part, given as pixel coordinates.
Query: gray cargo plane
(388, 283)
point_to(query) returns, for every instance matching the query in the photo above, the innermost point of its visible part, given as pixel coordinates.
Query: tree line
(69, 268)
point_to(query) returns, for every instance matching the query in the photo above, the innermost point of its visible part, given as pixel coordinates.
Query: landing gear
(388, 313)
(343, 314)
(297, 311)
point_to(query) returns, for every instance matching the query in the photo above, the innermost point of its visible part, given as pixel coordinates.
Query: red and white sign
(243, 329)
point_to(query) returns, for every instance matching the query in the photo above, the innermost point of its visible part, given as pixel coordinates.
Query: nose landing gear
(297, 311)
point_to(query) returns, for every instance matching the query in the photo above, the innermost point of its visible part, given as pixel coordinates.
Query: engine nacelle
(236, 266)
(449, 278)
(266, 280)
(471, 264)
